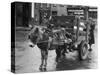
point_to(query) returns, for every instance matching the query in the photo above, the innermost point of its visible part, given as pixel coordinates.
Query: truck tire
(83, 50)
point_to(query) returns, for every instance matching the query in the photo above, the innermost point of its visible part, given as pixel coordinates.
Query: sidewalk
(22, 28)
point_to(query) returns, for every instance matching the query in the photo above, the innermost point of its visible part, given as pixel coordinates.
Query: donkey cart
(68, 32)
(77, 31)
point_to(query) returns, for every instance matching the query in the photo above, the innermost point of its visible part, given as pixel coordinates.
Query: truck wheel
(83, 50)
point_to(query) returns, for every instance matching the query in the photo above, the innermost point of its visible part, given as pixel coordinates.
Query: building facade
(26, 12)
(43, 9)
(23, 13)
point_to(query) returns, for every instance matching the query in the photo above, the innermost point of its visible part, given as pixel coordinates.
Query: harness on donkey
(47, 39)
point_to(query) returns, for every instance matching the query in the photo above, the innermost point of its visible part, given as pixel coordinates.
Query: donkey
(44, 42)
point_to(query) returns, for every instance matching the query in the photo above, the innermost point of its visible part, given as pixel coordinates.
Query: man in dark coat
(91, 35)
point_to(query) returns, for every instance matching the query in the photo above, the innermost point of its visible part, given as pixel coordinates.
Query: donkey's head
(34, 37)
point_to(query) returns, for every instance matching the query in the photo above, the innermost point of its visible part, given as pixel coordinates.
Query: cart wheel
(83, 51)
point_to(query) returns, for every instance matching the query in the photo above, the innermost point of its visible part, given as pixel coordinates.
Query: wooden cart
(77, 31)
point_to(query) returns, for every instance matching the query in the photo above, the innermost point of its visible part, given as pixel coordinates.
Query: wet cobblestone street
(29, 59)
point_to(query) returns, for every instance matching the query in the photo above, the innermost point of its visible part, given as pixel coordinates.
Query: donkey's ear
(36, 30)
(28, 36)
